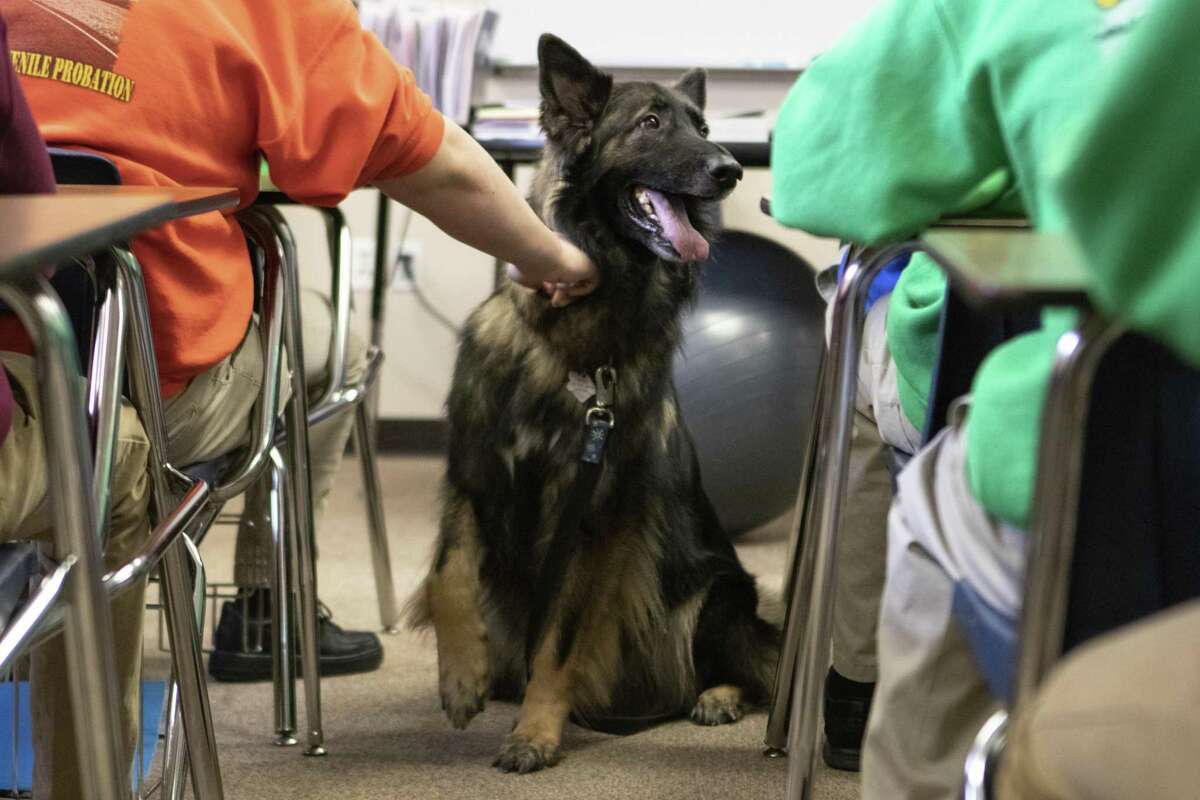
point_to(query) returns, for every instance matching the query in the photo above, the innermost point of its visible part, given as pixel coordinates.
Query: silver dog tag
(581, 386)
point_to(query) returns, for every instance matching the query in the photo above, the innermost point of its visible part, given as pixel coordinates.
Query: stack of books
(516, 124)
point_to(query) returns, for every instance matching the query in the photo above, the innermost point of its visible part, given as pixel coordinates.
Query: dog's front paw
(463, 684)
(522, 754)
(719, 705)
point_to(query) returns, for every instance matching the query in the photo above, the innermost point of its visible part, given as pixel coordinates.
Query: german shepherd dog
(623, 598)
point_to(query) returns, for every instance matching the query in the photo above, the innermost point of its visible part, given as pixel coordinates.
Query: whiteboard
(729, 34)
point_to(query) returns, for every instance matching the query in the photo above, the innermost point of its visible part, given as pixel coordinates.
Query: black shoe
(242, 644)
(847, 704)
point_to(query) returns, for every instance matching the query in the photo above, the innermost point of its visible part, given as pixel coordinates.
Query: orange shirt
(191, 93)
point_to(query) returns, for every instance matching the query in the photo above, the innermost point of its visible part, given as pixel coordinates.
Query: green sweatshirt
(900, 124)
(1131, 193)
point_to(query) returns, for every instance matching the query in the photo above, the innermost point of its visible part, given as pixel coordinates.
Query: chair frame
(78, 580)
(180, 570)
(340, 395)
(809, 583)
(40, 621)
(275, 236)
(1052, 530)
(277, 450)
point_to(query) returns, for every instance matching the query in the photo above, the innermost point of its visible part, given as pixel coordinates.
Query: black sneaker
(847, 704)
(243, 641)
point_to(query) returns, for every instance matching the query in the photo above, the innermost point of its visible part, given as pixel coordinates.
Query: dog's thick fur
(653, 612)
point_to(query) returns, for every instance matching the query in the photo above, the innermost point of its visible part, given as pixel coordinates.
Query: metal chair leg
(379, 291)
(299, 491)
(340, 257)
(175, 765)
(174, 771)
(341, 247)
(105, 374)
(1056, 498)
(984, 756)
(816, 568)
(268, 225)
(775, 740)
(305, 559)
(185, 645)
(283, 653)
(381, 560)
(176, 582)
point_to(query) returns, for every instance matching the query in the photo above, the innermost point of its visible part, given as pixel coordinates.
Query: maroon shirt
(24, 169)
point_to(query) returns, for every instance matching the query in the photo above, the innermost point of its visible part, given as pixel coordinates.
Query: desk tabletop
(47, 229)
(1010, 269)
(181, 201)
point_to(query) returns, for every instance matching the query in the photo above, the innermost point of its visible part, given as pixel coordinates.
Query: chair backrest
(19, 563)
(974, 334)
(74, 284)
(1137, 537)
(75, 167)
(965, 337)
(1137, 541)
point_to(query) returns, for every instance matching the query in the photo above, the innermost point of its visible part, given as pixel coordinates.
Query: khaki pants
(25, 514)
(212, 416)
(879, 426)
(1117, 719)
(930, 700)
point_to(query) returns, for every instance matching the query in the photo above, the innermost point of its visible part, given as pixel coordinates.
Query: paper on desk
(444, 47)
(520, 124)
(740, 130)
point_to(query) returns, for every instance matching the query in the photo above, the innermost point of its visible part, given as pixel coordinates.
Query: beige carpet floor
(386, 734)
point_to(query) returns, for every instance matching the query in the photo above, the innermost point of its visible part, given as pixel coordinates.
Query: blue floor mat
(152, 704)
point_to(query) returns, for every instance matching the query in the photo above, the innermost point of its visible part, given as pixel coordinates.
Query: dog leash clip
(606, 382)
(600, 419)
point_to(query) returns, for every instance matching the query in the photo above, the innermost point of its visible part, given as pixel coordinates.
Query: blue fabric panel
(153, 694)
(992, 637)
(884, 282)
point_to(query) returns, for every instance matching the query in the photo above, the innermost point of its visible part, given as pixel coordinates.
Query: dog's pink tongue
(672, 214)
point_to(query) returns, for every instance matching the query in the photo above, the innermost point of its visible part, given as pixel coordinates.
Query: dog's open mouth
(665, 218)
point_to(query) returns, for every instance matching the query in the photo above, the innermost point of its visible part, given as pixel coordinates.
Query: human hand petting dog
(466, 194)
(569, 275)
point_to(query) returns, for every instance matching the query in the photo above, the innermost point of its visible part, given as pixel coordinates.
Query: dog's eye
(649, 121)
(704, 130)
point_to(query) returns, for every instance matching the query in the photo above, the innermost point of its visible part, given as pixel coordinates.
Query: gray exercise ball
(746, 376)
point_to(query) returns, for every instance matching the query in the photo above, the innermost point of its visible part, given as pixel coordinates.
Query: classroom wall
(455, 278)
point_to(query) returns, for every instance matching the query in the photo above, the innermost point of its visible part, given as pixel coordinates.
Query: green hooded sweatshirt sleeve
(1131, 192)
(886, 132)
(913, 319)
(880, 137)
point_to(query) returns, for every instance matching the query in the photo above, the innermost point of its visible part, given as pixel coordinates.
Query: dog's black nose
(724, 169)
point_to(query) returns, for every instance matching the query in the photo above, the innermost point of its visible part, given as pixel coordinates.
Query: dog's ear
(693, 86)
(574, 92)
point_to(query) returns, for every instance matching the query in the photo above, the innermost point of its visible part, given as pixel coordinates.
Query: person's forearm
(468, 196)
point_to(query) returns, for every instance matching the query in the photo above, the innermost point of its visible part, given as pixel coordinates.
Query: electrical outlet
(404, 266)
(362, 270)
(363, 265)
